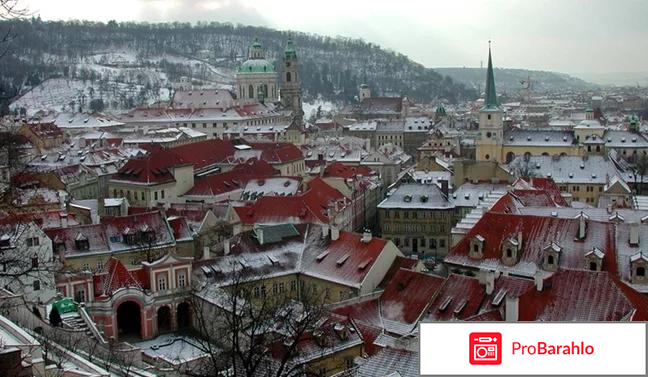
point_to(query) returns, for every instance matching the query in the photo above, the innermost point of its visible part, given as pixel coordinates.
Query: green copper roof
(256, 43)
(440, 110)
(256, 66)
(289, 52)
(491, 95)
(65, 305)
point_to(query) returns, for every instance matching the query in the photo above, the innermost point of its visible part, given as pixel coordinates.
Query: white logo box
(619, 348)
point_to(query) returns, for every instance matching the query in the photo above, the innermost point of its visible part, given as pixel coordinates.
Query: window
(256, 292)
(182, 279)
(79, 294)
(476, 248)
(489, 134)
(193, 125)
(641, 271)
(593, 266)
(288, 76)
(550, 260)
(263, 291)
(293, 285)
(487, 156)
(509, 253)
(37, 285)
(34, 262)
(99, 265)
(441, 243)
(489, 117)
(143, 197)
(275, 289)
(204, 125)
(32, 241)
(162, 194)
(327, 293)
(161, 283)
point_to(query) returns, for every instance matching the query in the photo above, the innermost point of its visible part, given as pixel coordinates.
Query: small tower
(491, 122)
(364, 92)
(291, 83)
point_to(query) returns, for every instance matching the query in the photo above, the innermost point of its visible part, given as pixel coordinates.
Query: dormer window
(551, 256)
(81, 242)
(511, 250)
(477, 247)
(594, 259)
(638, 265)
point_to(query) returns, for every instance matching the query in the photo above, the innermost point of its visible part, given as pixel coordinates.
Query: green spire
(289, 52)
(491, 96)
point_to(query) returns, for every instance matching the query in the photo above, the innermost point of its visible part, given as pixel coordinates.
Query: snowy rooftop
(416, 196)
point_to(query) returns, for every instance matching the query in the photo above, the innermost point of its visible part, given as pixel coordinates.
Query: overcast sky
(572, 36)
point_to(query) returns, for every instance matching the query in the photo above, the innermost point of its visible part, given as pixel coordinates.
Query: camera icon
(485, 348)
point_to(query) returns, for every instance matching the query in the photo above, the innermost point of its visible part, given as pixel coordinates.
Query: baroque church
(257, 79)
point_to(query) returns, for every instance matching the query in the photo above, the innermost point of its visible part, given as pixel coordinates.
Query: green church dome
(256, 66)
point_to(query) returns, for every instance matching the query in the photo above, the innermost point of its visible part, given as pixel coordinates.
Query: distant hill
(510, 80)
(147, 58)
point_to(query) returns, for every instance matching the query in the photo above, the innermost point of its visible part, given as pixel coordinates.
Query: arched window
(509, 253)
(550, 260)
(288, 77)
(251, 91)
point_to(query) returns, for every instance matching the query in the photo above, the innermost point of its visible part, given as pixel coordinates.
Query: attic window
(408, 198)
(321, 257)
(546, 138)
(445, 303)
(424, 198)
(528, 138)
(564, 138)
(364, 264)
(340, 262)
(461, 306)
(273, 259)
(499, 297)
(582, 165)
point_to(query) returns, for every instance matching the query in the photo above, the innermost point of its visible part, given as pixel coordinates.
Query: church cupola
(256, 50)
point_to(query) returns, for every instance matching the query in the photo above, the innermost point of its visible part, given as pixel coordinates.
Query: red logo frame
(485, 348)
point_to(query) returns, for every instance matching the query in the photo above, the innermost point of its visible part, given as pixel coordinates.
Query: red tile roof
(408, 294)
(309, 207)
(338, 169)
(459, 298)
(278, 153)
(232, 180)
(117, 276)
(537, 233)
(549, 186)
(153, 168)
(572, 295)
(346, 260)
(203, 154)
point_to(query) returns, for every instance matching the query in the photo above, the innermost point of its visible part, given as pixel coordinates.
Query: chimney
(206, 253)
(325, 230)
(581, 226)
(634, 234)
(64, 220)
(259, 234)
(444, 187)
(512, 308)
(539, 280)
(366, 236)
(490, 282)
(609, 208)
(335, 232)
(226, 246)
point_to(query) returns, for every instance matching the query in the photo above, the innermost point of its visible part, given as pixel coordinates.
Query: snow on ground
(310, 108)
(173, 347)
(57, 94)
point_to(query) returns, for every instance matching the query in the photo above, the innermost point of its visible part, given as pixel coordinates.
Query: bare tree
(240, 325)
